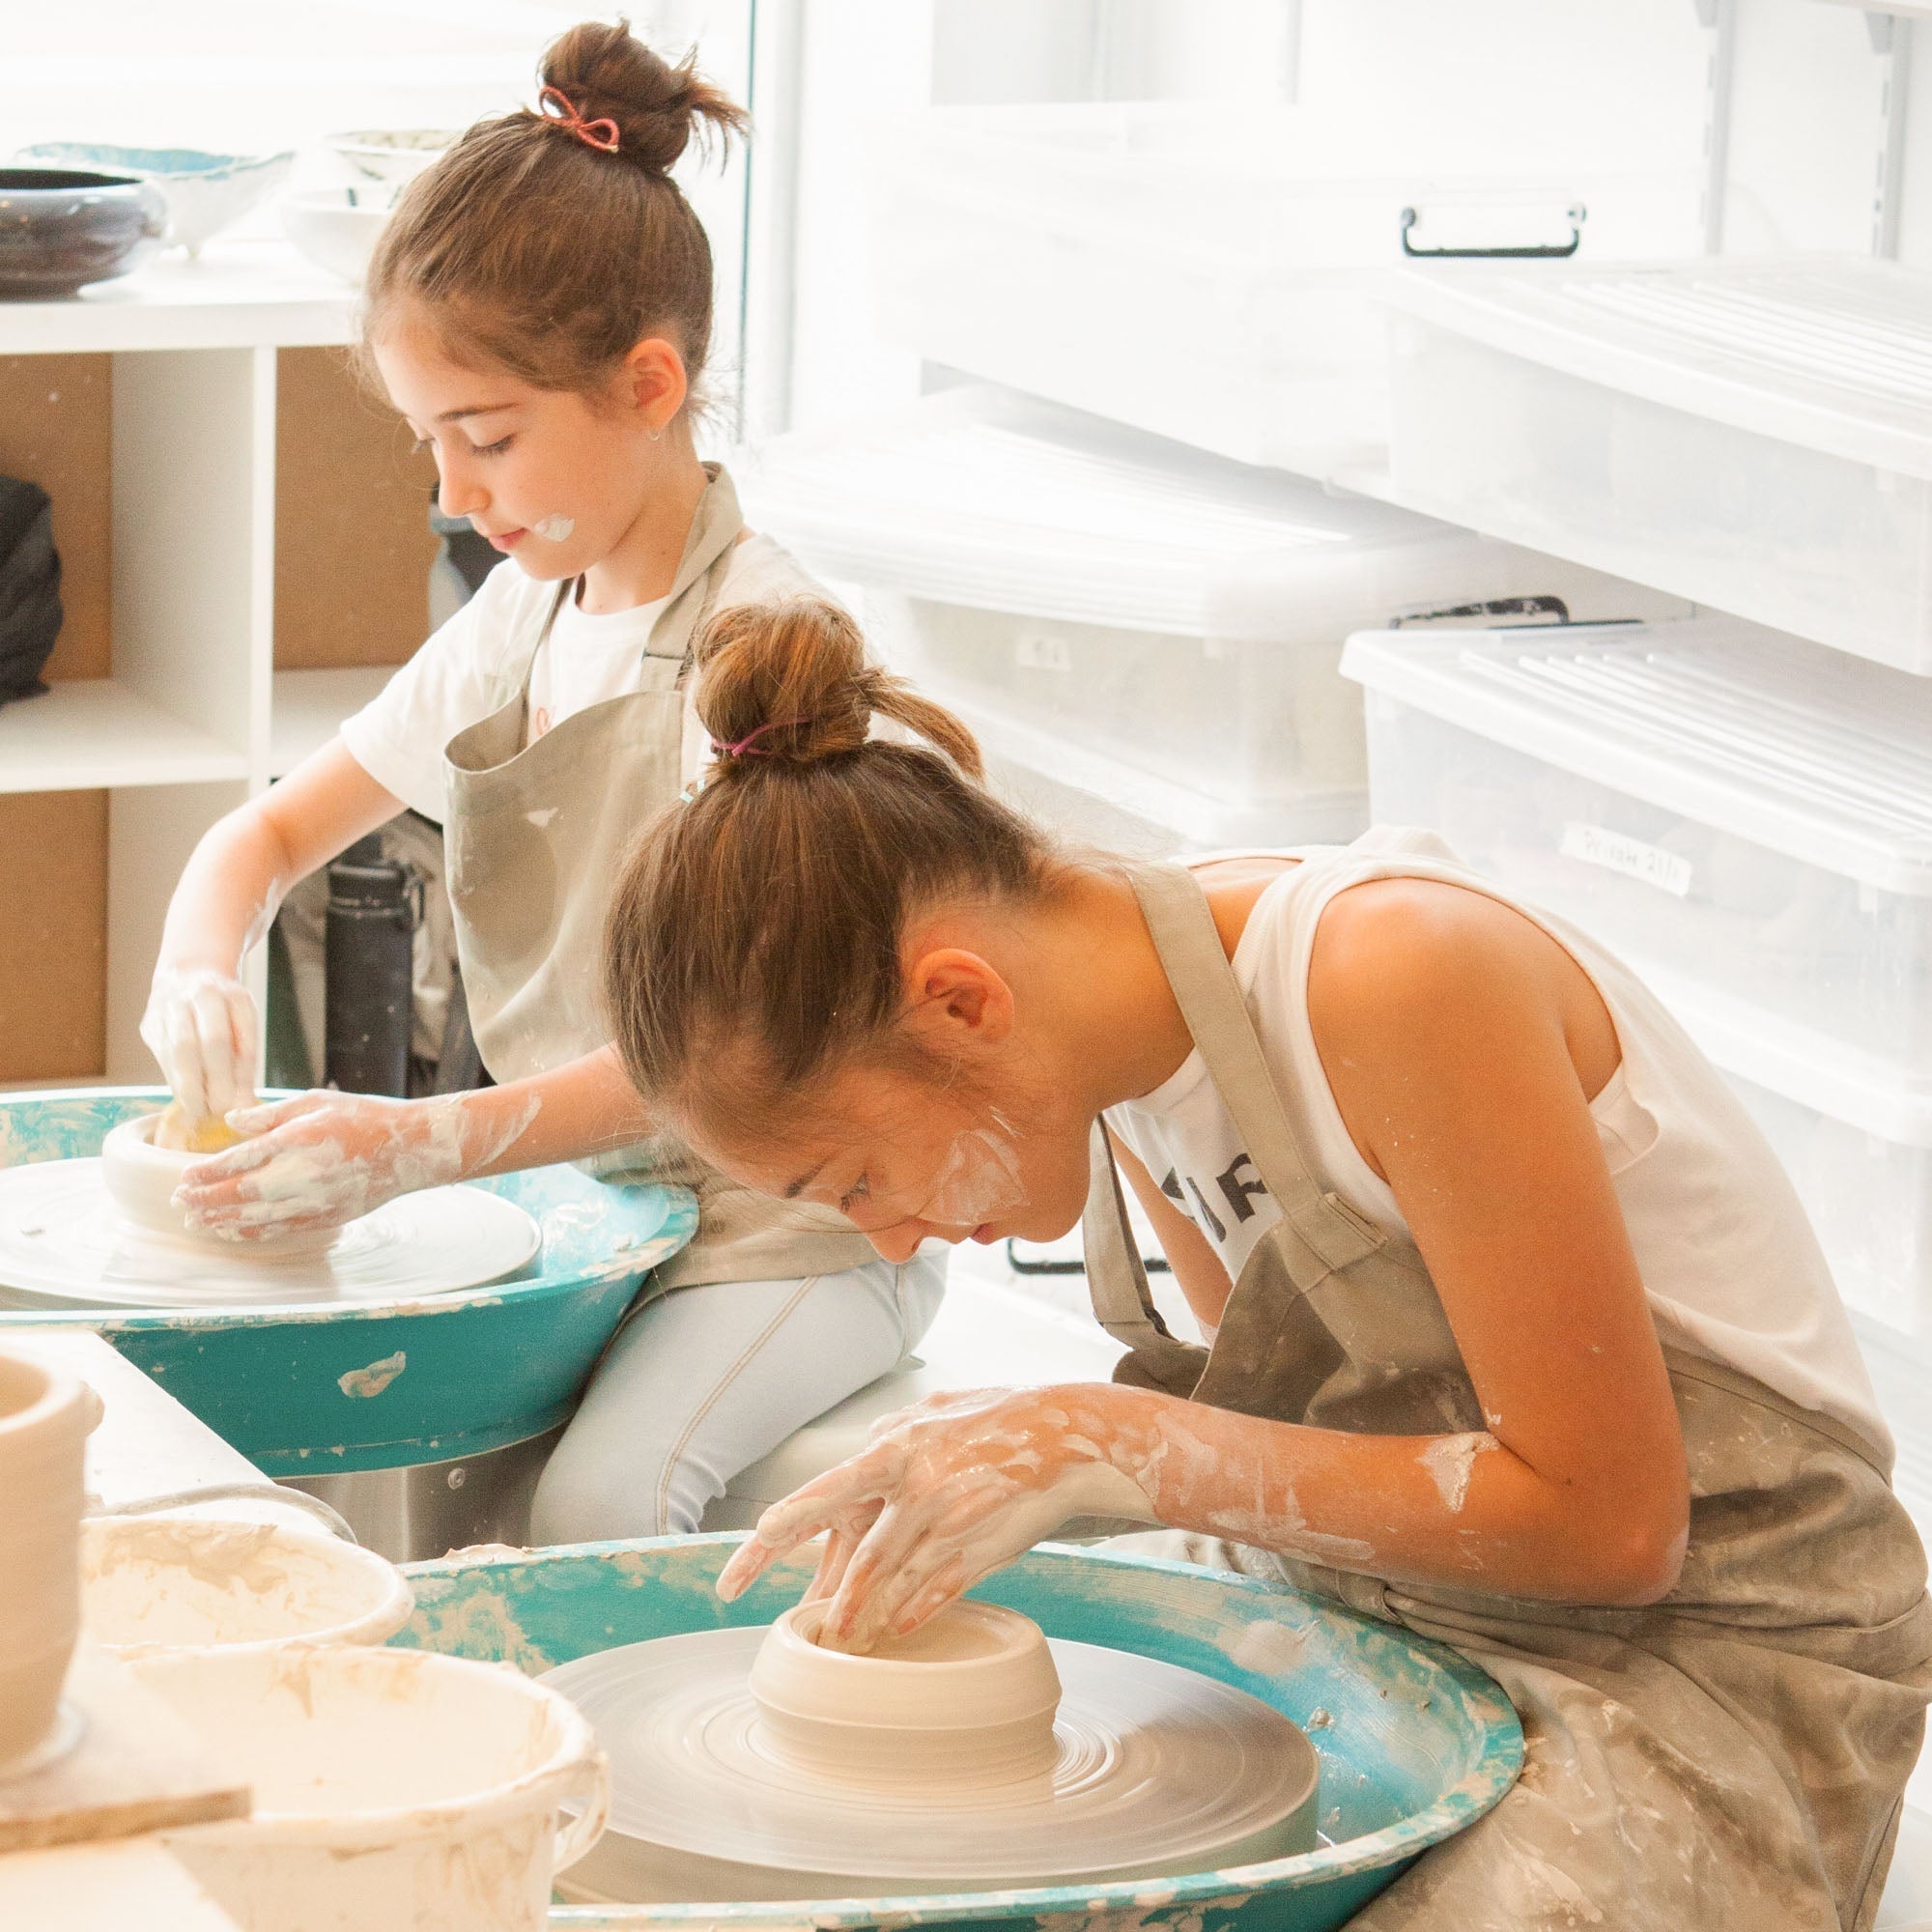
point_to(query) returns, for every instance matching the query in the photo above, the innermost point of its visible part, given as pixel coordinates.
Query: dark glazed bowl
(62, 228)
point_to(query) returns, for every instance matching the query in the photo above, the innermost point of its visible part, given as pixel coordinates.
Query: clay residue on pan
(1267, 1648)
(374, 1379)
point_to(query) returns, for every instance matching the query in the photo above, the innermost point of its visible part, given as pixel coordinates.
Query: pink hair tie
(599, 134)
(742, 747)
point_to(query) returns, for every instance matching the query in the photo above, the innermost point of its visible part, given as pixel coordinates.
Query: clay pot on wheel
(970, 1697)
(44, 1416)
(141, 1179)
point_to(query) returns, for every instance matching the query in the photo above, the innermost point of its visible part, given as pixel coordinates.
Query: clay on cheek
(979, 1179)
(553, 528)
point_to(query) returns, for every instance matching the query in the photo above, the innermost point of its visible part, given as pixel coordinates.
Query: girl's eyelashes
(497, 448)
(860, 1190)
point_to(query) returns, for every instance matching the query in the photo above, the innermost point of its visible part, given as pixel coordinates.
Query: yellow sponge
(212, 1135)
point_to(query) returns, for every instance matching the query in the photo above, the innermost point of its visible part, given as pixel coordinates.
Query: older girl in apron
(1718, 1726)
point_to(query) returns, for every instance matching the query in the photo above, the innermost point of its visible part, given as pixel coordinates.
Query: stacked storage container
(1758, 435)
(1145, 639)
(1745, 816)
(1214, 271)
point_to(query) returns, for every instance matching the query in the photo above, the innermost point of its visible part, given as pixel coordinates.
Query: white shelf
(240, 295)
(93, 732)
(310, 705)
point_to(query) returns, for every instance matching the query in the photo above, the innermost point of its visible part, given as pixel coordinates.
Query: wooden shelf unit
(172, 704)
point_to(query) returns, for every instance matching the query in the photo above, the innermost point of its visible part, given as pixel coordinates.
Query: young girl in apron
(1518, 1334)
(538, 309)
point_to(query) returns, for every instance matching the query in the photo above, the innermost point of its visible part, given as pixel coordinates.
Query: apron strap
(715, 530)
(565, 591)
(1122, 1302)
(1211, 1001)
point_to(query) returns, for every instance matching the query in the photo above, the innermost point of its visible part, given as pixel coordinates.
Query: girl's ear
(957, 1003)
(653, 381)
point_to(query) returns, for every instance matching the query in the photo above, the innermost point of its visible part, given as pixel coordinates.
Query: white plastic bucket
(167, 1581)
(395, 1791)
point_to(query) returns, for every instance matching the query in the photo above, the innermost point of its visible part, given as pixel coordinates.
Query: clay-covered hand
(323, 1158)
(949, 1491)
(201, 1026)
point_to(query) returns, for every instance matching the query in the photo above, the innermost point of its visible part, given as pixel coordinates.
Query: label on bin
(1042, 650)
(1619, 852)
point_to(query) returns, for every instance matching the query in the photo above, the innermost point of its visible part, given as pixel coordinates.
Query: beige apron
(1729, 1760)
(535, 835)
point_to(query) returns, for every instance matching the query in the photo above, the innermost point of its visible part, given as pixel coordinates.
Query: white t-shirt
(1729, 1263)
(468, 669)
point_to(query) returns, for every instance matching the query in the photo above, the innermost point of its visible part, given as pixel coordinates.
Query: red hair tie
(599, 134)
(747, 747)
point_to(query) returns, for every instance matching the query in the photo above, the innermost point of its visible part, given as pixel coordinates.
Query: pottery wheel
(62, 1243)
(1161, 1771)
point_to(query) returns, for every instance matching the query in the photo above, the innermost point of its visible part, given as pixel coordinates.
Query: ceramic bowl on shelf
(393, 153)
(205, 192)
(63, 228)
(336, 227)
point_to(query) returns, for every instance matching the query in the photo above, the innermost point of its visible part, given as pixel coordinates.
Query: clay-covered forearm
(227, 895)
(1460, 1510)
(585, 1107)
(238, 874)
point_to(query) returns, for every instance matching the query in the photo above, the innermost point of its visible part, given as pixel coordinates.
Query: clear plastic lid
(990, 499)
(1809, 753)
(1834, 354)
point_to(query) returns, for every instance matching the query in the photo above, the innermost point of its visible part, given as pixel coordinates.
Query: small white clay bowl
(972, 1691)
(141, 1179)
(168, 1582)
(337, 228)
(395, 153)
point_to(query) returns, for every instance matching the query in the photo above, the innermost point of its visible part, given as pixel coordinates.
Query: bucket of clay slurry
(1415, 1742)
(170, 1582)
(394, 1792)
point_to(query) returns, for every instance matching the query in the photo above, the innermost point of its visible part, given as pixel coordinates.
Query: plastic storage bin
(1125, 619)
(1755, 436)
(1869, 1197)
(1743, 811)
(1217, 276)
(1748, 821)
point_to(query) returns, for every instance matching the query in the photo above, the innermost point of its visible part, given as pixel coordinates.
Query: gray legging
(705, 1382)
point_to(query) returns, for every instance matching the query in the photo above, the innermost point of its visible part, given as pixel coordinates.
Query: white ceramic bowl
(393, 153)
(168, 1582)
(973, 1692)
(141, 1179)
(205, 192)
(336, 227)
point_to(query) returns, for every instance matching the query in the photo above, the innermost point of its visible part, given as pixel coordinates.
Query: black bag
(30, 574)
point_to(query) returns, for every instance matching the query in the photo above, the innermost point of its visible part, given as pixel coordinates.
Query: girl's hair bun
(607, 74)
(787, 684)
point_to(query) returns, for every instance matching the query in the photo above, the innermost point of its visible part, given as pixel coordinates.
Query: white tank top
(1729, 1263)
